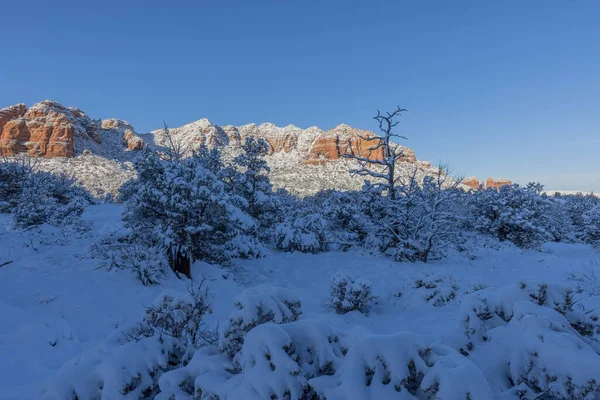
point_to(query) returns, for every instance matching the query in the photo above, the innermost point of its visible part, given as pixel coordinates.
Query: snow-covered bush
(276, 361)
(128, 371)
(403, 365)
(49, 198)
(546, 345)
(417, 220)
(437, 290)
(259, 305)
(486, 309)
(310, 360)
(179, 317)
(302, 232)
(131, 362)
(349, 294)
(520, 215)
(547, 355)
(148, 262)
(586, 282)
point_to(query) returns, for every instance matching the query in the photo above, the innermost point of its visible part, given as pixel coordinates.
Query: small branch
(6, 263)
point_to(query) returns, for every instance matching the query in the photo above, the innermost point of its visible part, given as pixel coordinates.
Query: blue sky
(494, 88)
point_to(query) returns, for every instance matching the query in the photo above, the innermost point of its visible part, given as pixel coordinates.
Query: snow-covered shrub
(259, 305)
(148, 262)
(349, 294)
(547, 355)
(586, 282)
(416, 221)
(49, 198)
(278, 361)
(128, 371)
(520, 215)
(402, 365)
(179, 317)
(486, 309)
(436, 290)
(302, 232)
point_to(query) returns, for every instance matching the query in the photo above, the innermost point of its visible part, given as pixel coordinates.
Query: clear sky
(495, 88)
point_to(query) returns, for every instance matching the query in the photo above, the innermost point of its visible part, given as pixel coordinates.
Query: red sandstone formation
(48, 129)
(473, 183)
(345, 140)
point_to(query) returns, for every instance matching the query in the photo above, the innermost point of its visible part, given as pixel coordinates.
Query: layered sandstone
(49, 129)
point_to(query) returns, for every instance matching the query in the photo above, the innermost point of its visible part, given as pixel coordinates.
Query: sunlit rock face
(473, 182)
(48, 129)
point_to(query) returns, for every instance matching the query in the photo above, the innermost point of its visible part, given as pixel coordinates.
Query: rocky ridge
(99, 153)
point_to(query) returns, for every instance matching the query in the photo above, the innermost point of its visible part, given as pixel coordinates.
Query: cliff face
(48, 129)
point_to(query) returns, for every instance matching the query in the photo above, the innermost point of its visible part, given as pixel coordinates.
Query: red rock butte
(474, 183)
(48, 129)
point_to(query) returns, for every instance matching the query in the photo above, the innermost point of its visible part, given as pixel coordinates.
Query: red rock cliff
(48, 129)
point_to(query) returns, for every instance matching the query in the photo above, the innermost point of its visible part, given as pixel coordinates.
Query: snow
(57, 307)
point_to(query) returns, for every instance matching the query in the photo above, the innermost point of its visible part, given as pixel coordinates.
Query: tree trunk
(180, 262)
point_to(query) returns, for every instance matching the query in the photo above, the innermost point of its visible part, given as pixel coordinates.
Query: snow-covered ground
(55, 303)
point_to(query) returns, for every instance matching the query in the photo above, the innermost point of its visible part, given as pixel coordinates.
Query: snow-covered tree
(439, 211)
(519, 215)
(253, 182)
(186, 207)
(49, 198)
(13, 173)
(576, 207)
(591, 225)
(347, 215)
(302, 231)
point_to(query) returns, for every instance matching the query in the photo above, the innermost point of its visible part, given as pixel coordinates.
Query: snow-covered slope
(56, 306)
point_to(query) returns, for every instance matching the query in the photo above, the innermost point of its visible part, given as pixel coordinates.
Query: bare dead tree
(173, 150)
(382, 170)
